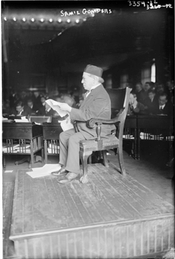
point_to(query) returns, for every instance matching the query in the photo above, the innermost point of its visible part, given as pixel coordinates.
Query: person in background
(170, 90)
(37, 101)
(42, 109)
(6, 109)
(19, 110)
(164, 106)
(45, 109)
(151, 101)
(141, 95)
(135, 107)
(97, 104)
(160, 88)
(147, 86)
(14, 99)
(67, 98)
(29, 108)
(23, 97)
(81, 99)
(48, 110)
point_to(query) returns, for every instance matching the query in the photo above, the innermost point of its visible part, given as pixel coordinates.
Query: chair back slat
(117, 97)
(124, 95)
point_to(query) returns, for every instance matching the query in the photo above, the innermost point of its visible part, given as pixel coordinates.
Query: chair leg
(121, 161)
(3, 159)
(45, 151)
(84, 158)
(105, 160)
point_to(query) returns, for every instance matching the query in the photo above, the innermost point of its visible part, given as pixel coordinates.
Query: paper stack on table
(23, 119)
(43, 171)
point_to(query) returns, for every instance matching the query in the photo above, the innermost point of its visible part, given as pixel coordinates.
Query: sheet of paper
(19, 120)
(8, 171)
(66, 124)
(43, 171)
(23, 118)
(55, 106)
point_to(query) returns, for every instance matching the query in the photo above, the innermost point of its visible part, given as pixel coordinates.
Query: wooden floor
(8, 191)
(109, 217)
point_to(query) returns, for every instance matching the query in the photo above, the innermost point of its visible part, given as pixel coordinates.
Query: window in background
(153, 72)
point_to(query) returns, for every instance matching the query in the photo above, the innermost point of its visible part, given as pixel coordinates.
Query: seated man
(134, 106)
(140, 93)
(151, 102)
(97, 104)
(29, 108)
(37, 100)
(19, 110)
(164, 106)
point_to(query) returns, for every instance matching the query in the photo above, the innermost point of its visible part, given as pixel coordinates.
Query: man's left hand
(65, 107)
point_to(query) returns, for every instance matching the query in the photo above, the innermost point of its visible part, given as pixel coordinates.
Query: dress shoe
(69, 177)
(61, 171)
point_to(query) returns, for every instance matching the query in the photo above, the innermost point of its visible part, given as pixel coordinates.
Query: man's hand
(65, 107)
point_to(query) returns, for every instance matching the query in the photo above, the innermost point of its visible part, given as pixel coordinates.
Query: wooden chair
(119, 103)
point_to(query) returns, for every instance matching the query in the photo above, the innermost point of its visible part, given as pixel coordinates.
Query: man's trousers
(69, 150)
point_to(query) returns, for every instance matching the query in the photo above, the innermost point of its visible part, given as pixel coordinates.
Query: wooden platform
(109, 217)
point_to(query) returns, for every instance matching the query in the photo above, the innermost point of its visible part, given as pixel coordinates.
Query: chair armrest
(91, 123)
(98, 122)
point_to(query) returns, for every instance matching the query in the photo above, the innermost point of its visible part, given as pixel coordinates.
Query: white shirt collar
(161, 106)
(95, 86)
(19, 114)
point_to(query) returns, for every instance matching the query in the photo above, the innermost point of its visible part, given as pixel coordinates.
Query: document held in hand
(65, 124)
(56, 107)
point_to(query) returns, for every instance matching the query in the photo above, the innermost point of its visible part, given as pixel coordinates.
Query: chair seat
(103, 144)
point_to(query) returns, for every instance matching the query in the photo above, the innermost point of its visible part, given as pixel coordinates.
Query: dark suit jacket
(151, 105)
(29, 111)
(15, 113)
(37, 103)
(141, 96)
(168, 109)
(96, 105)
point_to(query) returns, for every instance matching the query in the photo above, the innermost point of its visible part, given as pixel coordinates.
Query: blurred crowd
(152, 98)
(34, 104)
(149, 98)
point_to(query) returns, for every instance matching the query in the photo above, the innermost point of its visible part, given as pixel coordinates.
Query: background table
(51, 132)
(22, 138)
(140, 128)
(130, 134)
